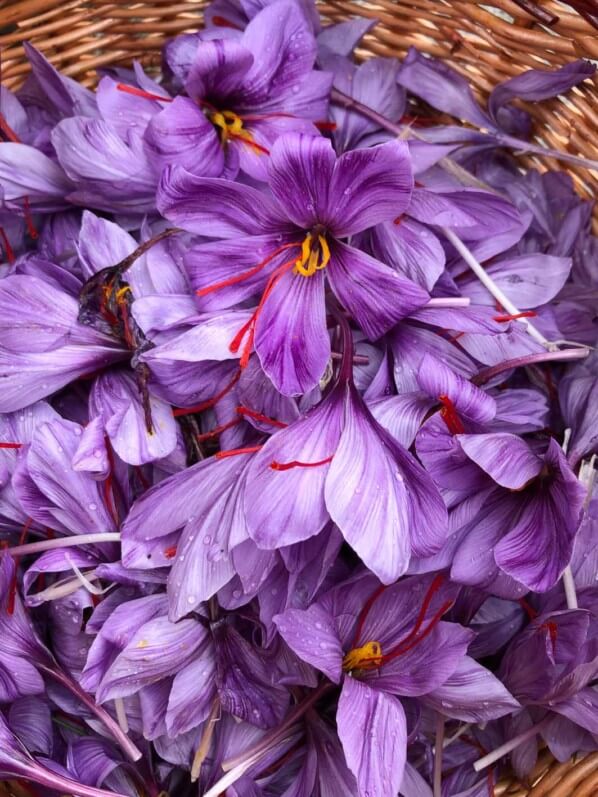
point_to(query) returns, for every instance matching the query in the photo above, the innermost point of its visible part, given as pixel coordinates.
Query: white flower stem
(508, 747)
(121, 714)
(64, 542)
(439, 746)
(570, 591)
(491, 286)
(449, 301)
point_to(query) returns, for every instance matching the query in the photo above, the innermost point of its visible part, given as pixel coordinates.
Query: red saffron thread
(179, 411)
(251, 143)
(326, 126)
(8, 131)
(223, 22)
(10, 255)
(401, 649)
(236, 451)
(365, 611)
(257, 416)
(245, 274)
(529, 610)
(11, 445)
(29, 219)
(515, 316)
(144, 482)
(218, 430)
(170, 552)
(296, 464)
(147, 95)
(450, 416)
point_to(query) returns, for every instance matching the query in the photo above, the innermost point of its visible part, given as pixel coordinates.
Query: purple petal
(506, 458)
(291, 336)
(341, 38)
(31, 721)
(402, 415)
(192, 693)
(412, 249)
(373, 732)
(286, 506)
(436, 380)
(213, 207)
(218, 69)
(375, 295)
(27, 172)
(581, 708)
(314, 638)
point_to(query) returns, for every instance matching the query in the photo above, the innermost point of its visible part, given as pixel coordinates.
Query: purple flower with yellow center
(384, 642)
(285, 245)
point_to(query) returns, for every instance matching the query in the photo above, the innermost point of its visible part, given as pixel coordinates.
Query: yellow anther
(122, 292)
(367, 657)
(315, 255)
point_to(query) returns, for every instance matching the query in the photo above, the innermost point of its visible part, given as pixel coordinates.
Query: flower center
(315, 254)
(230, 125)
(366, 657)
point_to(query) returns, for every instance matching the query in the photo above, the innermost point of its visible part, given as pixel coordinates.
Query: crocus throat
(230, 125)
(366, 657)
(315, 254)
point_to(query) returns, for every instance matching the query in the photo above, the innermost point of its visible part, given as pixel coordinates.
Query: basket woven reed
(488, 42)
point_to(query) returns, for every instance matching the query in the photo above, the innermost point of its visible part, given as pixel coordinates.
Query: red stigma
(236, 451)
(398, 220)
(29, 219)
(450, 416)
(515, 316)
(12, 594)
(205, 405)
(10, 255)
(11, 445)
(296, 464)
(257, 416)
(252, 144)
(170, 552)
(223, 22)
(326, 126)
(553, 633)
(8, 131)
(218, 430)
(250, 326)
(245, 274)
(365, 611)
(139, 472)
(147, 95)
(529, 610)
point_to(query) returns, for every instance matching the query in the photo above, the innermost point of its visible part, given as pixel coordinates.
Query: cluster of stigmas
(298, 402)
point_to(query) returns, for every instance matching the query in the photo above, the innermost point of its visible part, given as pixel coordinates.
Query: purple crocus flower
(381, 644)
(283, 244)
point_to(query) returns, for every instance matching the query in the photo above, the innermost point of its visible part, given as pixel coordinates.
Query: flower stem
(537, 149)
(449, 301)
(276, 734)
(60, 783)
(439, 746)
(509, 746)
(491, 286)
(530, 359)
(65, 542)
(110, 724)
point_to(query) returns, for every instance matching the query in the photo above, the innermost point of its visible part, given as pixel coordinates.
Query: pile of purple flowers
(299, 396)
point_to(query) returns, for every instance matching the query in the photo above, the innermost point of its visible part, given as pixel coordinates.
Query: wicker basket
(488, 42)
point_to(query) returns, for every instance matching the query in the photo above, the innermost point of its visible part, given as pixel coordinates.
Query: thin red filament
(245, 274)
(8, 131)
(11, 445)
(250, 326)
(139, 472)
(529, 610)
(147, 95)
(29, 219)
(252, 144)
(205, 405)
(170, 552)
(12, 594)
(450, 416)
(364, 613)
(257, 416)
(218, 430)
(403, 648)
(515, 316)
(296, 464)
(552, 629)
(10, 255)
(236, 451)
(223, 22)
(326, 126)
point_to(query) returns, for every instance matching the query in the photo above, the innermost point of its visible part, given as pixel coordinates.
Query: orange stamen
(236, 451)
(10, 255)
(218, 430)
(245, 274)
(515, 316)
(147, 95)
(296, 464)
(178, 411)
(450, 416)
(29, 220)
(257, 416)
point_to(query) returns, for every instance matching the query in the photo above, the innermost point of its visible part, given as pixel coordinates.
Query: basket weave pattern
(487, 42)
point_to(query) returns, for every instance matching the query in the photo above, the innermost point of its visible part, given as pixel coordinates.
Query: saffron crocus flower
(381, 644)
(284, 244)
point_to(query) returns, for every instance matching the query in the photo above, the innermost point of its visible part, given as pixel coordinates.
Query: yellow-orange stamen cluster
(231, 126)
(315, 255)
(366, 657)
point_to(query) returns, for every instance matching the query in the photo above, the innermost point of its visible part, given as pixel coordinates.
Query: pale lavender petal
(505, 457)
(314, 638)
